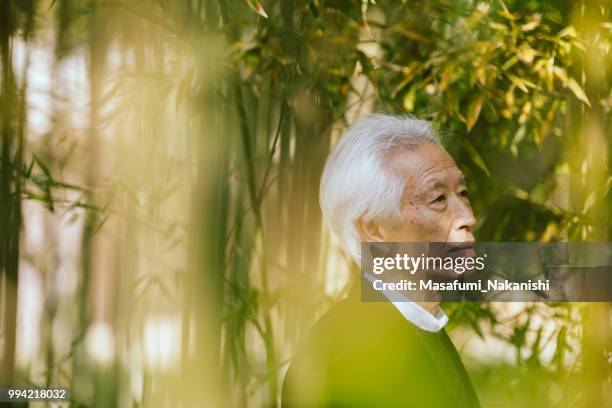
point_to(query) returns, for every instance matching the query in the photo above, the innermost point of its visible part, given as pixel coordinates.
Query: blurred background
(161, 242)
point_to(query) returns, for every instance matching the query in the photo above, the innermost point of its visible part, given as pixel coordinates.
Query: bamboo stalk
(10, 205)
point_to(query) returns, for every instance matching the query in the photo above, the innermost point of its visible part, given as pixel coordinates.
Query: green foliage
(500, 80)
(259, 91)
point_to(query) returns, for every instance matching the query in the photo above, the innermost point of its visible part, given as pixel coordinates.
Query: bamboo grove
(159, 169)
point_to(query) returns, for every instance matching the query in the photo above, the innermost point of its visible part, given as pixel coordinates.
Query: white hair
(356, 184)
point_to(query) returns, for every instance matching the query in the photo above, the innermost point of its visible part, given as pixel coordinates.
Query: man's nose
(465, 222)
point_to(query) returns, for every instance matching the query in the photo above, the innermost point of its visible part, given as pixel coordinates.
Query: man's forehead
(426, 159)
(435, 166)
(437, 178)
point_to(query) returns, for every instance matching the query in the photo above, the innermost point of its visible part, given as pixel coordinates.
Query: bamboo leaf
(257, 7)
(526, 54)
(588, 204)
(474, 112)
(511, 61)
(525, 113)
(42, 166)
(575, 87)
(476, 327)
(409, 99)
(413, 35)
(550, 63)
(568, 31)
(519, 82)
(475, 156)
(532, 25)
(561, 74)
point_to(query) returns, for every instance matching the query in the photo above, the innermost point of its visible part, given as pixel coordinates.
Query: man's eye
(439, 199)
(463, 193)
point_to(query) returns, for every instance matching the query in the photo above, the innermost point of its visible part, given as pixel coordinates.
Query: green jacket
(365, 354)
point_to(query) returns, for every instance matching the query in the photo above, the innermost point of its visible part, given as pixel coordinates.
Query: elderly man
(387, 180)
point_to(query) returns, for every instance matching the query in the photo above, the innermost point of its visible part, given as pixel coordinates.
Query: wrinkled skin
(434, 206)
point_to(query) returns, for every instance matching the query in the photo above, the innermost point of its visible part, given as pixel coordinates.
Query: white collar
(413, 312)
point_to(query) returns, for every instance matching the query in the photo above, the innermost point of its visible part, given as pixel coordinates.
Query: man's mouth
(461, 249)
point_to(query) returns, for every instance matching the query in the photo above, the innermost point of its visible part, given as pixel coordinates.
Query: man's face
(435, 206)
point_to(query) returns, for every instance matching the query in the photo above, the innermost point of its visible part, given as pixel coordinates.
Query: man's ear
(369, 231)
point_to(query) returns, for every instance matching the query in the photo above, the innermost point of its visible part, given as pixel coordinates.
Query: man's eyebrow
(434, 183)
(462, 178)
